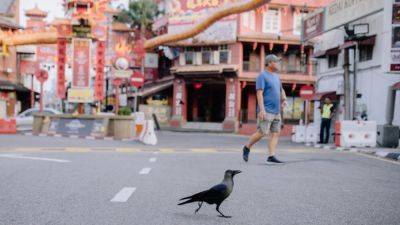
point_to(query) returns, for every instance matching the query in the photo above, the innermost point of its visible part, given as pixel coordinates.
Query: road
(73, 181)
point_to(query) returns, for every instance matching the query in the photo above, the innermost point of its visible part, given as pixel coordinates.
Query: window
(297, 22)
(223, 54)
(272, 21)
(189, 56)
(332, 60)
(365, 52)
(249, 20)
(245, 19)
(206, 55)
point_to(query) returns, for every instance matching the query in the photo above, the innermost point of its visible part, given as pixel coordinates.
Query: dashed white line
(145, 170)
(33, 158)
(124, 194)
(153, 159)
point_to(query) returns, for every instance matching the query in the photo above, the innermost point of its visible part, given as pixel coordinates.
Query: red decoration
(307, 92)
(62, 48)
(117, 82)
(197, 86)
(137, 79)
(99, 79)
(81, 63)
(139, 49)
(42, 76)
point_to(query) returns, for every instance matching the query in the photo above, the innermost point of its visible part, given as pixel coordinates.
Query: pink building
(214, 86)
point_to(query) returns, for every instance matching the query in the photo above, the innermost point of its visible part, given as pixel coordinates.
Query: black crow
(215, 195)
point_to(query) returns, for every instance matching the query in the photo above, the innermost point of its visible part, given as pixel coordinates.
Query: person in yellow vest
(327, 112)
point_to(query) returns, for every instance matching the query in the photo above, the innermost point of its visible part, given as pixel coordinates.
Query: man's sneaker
(246, 152)
(272, 160)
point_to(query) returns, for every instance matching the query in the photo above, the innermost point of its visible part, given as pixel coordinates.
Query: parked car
(25, 119)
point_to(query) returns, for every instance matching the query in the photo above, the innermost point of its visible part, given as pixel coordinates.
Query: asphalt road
(313, 187)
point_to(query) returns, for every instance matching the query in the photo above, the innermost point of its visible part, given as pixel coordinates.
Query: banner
(395, 47)
(99, 79)
(80, 95)
(61, 60)
(81, 62)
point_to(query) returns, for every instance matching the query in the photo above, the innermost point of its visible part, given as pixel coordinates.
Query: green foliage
(139, 13)
(125, 111)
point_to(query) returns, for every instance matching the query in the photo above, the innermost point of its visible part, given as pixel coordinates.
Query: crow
(215, 195)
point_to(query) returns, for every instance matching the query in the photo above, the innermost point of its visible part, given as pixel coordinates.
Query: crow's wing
(215, 194)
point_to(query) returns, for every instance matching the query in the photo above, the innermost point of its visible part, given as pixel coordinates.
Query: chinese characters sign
(81, 63)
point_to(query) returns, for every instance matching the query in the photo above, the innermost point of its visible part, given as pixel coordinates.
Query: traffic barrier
(353, 133)
(311, 134)
(8, 126)
(299, 133)
(148, 135)
(139, 123)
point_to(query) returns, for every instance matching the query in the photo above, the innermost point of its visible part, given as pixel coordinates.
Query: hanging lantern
(198, 86)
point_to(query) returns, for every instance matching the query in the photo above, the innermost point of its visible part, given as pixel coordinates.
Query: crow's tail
(186, 202)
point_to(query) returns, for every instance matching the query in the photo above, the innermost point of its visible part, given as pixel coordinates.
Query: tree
(140, 15)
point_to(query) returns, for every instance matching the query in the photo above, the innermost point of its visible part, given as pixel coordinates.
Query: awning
(333, 51)
(319, 54)
(146, 91)
(327, 94)
(6, 85)
(367, 40)
(396, 86)
(213, 69)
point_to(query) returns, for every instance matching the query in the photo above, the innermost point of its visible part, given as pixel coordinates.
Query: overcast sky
(52, 7)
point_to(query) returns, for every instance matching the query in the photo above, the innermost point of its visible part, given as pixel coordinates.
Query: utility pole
(346, 81)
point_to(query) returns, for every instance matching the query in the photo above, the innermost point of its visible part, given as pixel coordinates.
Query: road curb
(81, 137)
(379, 153)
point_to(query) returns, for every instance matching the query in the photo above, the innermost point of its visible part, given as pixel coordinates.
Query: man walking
(270, 97)
(327, 112)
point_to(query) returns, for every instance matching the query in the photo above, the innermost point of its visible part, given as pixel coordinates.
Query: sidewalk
(389, 153)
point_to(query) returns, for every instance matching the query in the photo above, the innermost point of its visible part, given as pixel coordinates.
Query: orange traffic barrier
(8, 126)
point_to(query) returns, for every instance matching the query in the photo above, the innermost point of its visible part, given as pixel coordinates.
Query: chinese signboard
(99, 79)
(80, 95)
(185, 13)
(81, 62)
(395, 50)
(61, 60)
(313, 25)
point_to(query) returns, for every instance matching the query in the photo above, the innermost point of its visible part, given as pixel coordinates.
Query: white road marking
(155, 153)
(124, 194)
(153, 159)
(14, 156)
(145, 170)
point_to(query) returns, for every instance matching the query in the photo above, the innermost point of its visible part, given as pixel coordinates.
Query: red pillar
(262, 57)
(251, 106)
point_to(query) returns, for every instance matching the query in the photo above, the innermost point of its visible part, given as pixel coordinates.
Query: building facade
(375, 53)
(214, 86)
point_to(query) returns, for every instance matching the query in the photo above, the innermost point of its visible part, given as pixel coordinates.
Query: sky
(52, 7)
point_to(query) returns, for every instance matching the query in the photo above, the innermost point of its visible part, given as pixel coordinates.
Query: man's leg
(273, 141)
(254, 139)
(327, 127)
(321, 132)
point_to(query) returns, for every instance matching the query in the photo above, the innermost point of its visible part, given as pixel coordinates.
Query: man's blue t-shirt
(271, 86)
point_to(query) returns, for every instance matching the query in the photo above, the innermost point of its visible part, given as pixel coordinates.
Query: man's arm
(260, 100)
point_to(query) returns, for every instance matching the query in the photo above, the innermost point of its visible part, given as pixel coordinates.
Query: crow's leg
(200, 204)
(222, 215)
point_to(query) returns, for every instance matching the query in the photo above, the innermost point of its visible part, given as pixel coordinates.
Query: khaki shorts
(272, 124)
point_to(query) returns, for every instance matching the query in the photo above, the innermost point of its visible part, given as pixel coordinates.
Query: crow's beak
(236, 172)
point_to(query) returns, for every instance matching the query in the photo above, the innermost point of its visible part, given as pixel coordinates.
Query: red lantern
(197, 86)
(139, 49)
(117, 82)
